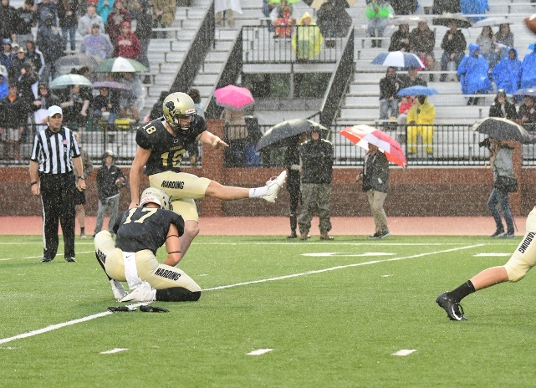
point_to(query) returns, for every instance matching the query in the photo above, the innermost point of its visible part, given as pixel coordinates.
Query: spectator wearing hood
(474, 7)
(453, 44)
(307, 39)
(528, 75)
(507, 73)
(501, 107)
(420, 121)
(473, 73)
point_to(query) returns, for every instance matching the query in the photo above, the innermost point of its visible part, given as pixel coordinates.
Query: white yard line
(105, 313)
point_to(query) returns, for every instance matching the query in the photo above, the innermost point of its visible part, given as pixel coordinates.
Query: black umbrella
(446, 18)
(502, 129)
(279, 134)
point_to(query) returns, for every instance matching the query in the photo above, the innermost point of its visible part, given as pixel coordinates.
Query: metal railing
(452, 145)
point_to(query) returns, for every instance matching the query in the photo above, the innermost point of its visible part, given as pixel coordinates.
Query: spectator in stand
(104, 7)
(97, 44)
(47, 10)
(487, 46)
(3, 86)
(406, 103)
(237, 133)
(12, 122)
(400, 39)
(420, 119)
(473, 73)
(505, 38)
(389, 87)
(446, 6)
(45, 99)
(283, 24)
(526, 114)
(164, 14)
(422, 43)
(16, 65)
(68, 17)
(158, 111)
(27, 20)
(333, 20)
(110, 179)
(267, 8)
(144, 27)
(8, 21)
(127, 44)
(80, 196)
(453, 44)
(106, 105)
(412, 78)
(507, 73)
(501, 107)
(86, 22)
(75, 109)
(35, 57)
(115, 21)
(528, 75)
(378, 13)
(27, 82)
(6, 57)
(51, 45)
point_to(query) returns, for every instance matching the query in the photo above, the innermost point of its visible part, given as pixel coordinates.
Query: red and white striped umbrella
(362, 135)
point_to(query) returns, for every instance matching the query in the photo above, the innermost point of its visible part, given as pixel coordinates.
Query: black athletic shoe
(70, 260)
(46, 260)
(384, 234)
(454, 309)
(497, 233)
(292, 235)
(375, 235)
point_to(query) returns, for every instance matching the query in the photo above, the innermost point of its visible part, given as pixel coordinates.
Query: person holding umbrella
(420, 121)
(375, 178)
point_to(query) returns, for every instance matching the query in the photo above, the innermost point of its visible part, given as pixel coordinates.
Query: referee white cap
(54, 109)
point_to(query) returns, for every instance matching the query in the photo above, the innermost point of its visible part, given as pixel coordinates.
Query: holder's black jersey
(167, 150)
(145, 228)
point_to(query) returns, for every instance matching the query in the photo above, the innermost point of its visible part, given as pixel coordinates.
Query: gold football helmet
(178, 105)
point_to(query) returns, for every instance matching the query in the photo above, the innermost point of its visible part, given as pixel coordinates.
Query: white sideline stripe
(115, 350)
(105, 313)
(404, 352)
(340, 267)
(259, 352)
(492, 254)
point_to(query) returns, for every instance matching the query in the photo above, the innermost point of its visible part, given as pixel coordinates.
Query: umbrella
(502, 129)
(234, 97)
(64, 81)
(120, 65)
(398, 59)
(111, 85)
(446, 18)
(417, 90)
(317, 3)
(398, 20)
(362, 135)
(279, 134)
(525, 92)
(493, 21)
(65, 64)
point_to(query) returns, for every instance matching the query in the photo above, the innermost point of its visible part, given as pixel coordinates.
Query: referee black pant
(57, 195)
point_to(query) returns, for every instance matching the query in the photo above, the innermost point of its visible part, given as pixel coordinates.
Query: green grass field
(332, 313)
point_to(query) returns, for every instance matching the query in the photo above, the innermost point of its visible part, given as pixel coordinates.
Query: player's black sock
(177, 294)
(461, 292)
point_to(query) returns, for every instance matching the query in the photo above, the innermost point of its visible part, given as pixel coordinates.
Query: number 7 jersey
(167, 150)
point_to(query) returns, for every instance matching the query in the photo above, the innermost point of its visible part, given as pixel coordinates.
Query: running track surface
(279, 226)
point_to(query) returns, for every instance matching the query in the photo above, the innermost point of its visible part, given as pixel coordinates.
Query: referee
(52, 175)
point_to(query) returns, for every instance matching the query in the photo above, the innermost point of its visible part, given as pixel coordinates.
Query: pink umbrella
(362, 135)
(234, 97)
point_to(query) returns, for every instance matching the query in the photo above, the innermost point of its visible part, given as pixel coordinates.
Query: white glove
(295, 167)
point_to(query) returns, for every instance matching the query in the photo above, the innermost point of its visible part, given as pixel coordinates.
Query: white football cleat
(118, 290)
(142, 293)
(274, 185)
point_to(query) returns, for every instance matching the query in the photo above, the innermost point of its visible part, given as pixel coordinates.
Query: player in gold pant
(521, 261)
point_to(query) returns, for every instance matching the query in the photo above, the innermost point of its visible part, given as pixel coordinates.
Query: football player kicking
(139, 233)
(161, 147)
(521, 261)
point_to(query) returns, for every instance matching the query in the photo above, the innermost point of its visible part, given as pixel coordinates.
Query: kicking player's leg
(110, 259)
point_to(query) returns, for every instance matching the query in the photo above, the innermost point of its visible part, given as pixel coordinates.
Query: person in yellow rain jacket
(423, 112)
(307, 38)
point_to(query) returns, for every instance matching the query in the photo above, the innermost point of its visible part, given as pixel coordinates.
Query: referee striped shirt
(54, 151)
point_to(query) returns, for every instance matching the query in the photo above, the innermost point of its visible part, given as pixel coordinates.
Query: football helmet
(155, 195)
(178, 105)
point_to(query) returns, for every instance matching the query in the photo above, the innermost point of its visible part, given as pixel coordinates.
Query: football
(530, 22)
